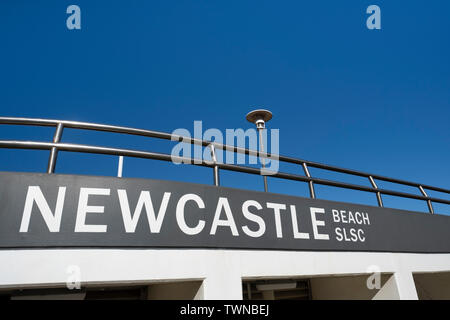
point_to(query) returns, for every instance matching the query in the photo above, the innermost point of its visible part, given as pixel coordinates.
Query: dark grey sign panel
(41, 210)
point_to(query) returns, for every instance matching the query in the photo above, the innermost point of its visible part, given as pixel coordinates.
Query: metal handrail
(56, 145)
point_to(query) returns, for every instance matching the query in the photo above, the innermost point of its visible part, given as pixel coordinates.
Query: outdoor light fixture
(259, 117)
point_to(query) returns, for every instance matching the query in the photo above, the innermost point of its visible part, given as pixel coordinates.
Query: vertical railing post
(374, 185)
(430, 205)
(263, 159)
(54, 150)
(310, 183)
(215, 168)
(266, 187)
(120, 167)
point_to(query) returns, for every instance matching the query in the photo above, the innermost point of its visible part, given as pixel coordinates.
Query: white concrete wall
(220, 270)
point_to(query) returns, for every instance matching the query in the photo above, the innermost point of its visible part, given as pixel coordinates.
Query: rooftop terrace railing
(56, 145)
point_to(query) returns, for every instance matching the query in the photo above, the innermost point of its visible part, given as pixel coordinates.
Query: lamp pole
(259, 117)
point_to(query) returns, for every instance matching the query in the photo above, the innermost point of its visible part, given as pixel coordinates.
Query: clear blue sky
(372, 100)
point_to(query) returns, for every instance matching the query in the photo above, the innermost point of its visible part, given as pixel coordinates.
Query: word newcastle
(254, 225)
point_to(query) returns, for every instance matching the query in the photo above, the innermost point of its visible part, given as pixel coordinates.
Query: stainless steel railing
(56, 145)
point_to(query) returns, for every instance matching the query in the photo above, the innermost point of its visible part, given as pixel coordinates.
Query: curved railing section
(56, 145)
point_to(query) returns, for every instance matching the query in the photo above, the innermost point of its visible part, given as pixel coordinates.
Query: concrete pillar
(400, 286)
(220, 287)
(406, 285)
(222, 280)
